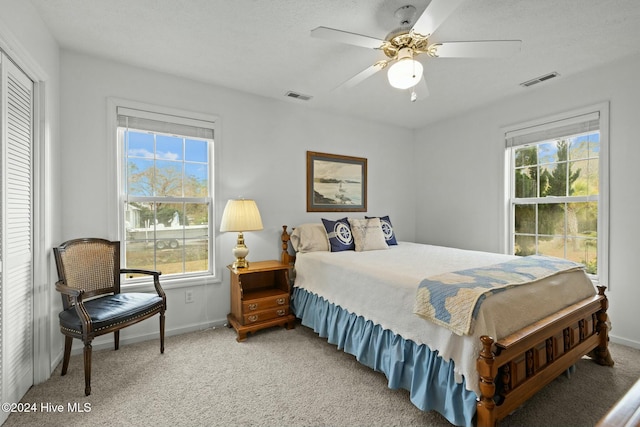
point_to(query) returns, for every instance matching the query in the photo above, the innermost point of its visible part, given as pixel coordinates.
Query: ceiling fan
(411, 40)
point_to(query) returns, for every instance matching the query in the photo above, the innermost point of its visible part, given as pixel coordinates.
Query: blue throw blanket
(453, 299)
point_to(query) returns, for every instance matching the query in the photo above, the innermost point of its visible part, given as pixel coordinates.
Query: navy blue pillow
(339, 234)
(387, 229)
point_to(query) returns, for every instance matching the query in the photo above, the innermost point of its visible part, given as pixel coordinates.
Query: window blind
(164, 123)
(553, 130)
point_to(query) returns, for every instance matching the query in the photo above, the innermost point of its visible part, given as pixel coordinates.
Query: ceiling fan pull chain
(414, 66)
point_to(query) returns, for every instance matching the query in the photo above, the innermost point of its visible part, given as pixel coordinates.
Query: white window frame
(117, 224)
(551, 122)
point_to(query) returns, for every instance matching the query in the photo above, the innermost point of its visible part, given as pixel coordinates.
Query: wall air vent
(539, 79)
(296, 95)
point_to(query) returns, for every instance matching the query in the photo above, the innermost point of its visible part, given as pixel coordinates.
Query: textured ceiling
(264, 47)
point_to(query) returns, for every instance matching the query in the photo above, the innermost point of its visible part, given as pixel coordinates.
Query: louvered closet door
(16, 276)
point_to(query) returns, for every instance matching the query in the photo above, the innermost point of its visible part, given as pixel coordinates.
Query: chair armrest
(74, 293)
(139, 271)
(156, 279)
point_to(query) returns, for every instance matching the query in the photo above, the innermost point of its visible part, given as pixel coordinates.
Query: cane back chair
(89, 282)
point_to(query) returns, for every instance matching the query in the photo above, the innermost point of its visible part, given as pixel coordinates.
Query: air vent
(539, 79)
(296, 95)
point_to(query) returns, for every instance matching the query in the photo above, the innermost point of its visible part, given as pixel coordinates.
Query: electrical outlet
(188, 297)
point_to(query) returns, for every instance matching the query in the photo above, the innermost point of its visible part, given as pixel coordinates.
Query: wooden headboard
(286, 257)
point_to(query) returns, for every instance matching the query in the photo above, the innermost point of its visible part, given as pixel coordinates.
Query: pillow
(339, 234)
(387, 229)
(367, 234)
(309, 238)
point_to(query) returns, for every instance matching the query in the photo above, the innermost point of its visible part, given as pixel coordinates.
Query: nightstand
(259, 297)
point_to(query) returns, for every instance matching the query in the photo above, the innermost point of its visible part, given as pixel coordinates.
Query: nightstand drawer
(259, 316)
(259, 304)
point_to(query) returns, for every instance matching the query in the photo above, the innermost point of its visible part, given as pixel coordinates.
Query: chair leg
(68, 342)
(162, 332)
(87, 368)
(116, 340)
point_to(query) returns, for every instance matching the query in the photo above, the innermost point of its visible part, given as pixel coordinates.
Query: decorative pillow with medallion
(339, 234)
(387, 229)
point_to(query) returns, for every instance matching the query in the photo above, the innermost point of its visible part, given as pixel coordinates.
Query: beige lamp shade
(241, 215)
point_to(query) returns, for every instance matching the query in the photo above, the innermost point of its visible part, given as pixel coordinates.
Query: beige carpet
(282, 378)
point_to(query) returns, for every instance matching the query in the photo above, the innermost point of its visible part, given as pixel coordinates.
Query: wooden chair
(89, 281)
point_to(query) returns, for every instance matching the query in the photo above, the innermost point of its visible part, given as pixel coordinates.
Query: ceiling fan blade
(363, 75)
(346, 37)
(477, 49)
(420, 90)
(435, 14)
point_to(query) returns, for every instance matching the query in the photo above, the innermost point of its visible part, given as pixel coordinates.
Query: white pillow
(309, 238)
(368, 234)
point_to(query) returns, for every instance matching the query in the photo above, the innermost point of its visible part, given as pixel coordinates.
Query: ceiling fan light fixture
(406, 72)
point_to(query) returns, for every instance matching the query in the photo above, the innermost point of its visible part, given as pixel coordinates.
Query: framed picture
(336, 183)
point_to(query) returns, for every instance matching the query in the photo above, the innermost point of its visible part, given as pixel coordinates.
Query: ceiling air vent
(539, 79)
(296, 95)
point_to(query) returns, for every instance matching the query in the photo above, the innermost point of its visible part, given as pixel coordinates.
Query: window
(165, 188)
(557, 189)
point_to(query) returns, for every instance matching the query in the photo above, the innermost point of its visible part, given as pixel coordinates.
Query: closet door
(16, 241)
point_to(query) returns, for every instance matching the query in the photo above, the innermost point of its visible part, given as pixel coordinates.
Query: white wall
(460, 165)
(262, 156)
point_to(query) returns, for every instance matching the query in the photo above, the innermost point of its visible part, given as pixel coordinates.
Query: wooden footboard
(513, 369)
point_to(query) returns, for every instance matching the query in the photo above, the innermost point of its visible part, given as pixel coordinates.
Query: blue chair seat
(108, 310)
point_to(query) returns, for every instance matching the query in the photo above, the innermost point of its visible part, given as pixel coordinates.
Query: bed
(520, 338)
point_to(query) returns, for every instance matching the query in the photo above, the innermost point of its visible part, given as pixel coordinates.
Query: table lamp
(241, 215)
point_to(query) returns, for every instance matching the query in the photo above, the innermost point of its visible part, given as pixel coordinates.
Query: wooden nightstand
(259, 297)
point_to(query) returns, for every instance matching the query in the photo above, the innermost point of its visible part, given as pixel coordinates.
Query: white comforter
(381, 286)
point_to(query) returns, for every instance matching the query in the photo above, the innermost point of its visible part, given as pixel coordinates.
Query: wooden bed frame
(514, 368)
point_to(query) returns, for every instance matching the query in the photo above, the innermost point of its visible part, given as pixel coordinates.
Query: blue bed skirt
(428, 378)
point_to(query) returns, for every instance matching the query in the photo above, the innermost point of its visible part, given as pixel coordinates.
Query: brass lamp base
(240, 252)
(240, 263)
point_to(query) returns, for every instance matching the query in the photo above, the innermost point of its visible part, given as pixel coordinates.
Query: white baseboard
(624, 341)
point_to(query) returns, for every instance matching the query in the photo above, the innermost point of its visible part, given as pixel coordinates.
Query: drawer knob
(253, 318)
(280, 312)
(253, 306)
(280, 301)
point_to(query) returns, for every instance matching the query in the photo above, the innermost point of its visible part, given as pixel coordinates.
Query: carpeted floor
(281, 378)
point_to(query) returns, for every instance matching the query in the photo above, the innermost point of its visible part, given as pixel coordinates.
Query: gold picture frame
(336, 183)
